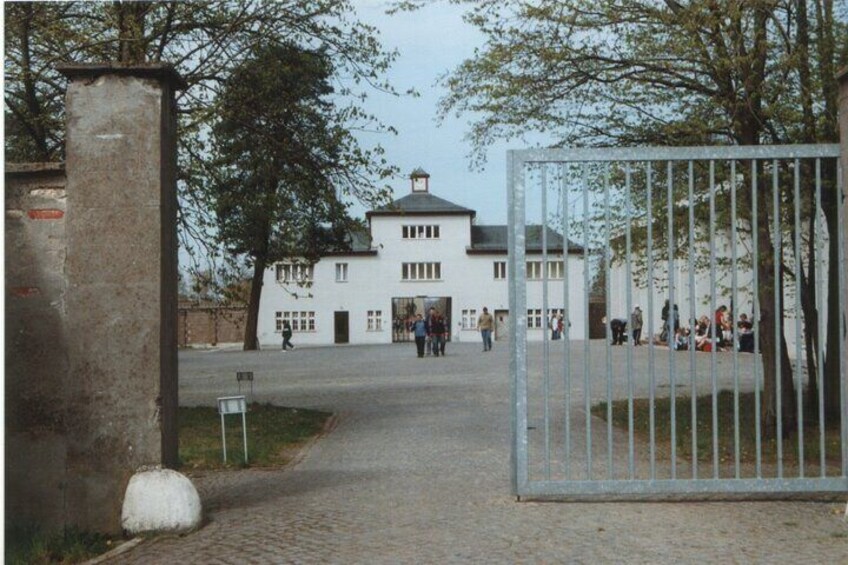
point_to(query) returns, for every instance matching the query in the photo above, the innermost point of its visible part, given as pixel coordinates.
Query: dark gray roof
(420, 203)
(358, 243)
(494, 239)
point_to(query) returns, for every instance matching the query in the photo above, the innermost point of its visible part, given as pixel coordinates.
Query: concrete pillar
(122, 283)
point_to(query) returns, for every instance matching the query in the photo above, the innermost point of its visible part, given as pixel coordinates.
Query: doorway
(501, 325)
(342, 327)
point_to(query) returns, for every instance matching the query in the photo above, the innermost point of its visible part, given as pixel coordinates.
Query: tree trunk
(251, 342)
(132, 44)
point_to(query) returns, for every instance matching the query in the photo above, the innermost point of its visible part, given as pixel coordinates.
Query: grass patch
(28, 545)
(274, 436)
(726, 440)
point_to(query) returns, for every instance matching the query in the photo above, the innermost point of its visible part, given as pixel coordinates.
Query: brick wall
(36, 362)
(210, 324)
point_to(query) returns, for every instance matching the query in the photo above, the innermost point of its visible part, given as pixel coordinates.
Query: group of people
(430, 333)
(727, 334)
(557, 325)
(618, 327)
(699, 335)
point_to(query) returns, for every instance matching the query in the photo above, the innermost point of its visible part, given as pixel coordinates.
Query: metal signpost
(233, 405)
(245, 376)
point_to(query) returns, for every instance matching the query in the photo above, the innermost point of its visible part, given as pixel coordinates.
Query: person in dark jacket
(287, 335)
(619, 330)
(437, 333)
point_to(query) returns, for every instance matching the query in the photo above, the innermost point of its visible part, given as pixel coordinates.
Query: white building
(421, 251)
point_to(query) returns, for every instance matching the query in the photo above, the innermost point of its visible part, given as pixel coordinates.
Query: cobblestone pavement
(416, 471)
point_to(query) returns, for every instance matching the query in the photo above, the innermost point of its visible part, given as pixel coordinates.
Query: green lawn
(726, 440)
(274, 435)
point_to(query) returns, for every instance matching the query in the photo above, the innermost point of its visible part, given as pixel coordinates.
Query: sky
(432, 41)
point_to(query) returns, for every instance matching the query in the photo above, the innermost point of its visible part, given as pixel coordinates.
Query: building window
(534, 319)
(300, 321)
(469, 319)
(341, 272)
(534, 270)
(555, 269)
(421, 271)
(375, 320)
(420, 232)
(500, 270)
(294, 272)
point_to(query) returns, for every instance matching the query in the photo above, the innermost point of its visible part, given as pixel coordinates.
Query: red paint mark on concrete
(25, 291)
(45, 214)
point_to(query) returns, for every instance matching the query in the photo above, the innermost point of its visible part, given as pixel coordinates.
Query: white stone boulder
(160, 500)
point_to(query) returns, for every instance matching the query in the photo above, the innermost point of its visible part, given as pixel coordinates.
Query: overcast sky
(432, 41)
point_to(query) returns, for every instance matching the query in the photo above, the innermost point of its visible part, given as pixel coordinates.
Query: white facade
(465, 273)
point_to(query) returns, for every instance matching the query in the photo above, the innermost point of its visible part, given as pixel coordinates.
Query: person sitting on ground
(681, 339)
(718, 320)
(745, 330)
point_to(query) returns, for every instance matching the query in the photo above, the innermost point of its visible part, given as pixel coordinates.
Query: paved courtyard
(416, 471)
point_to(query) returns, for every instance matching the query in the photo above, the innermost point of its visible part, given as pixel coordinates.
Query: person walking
(636, 325)
(485, 323)
(287, 335)
(419, 329)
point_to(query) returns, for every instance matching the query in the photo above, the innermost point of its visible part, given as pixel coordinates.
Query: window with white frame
(534, 270)
(534, 319)
(500, 270)
(300, 321)
(421, 271)
(341, 272)
(420, 232)
(375, 320)
(469, 319)
(555, 269)
(294, 272)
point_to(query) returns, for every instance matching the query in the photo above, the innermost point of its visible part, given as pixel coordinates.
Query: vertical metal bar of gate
(518, 317)
(692, 325)
(820, 319)
(724, 478)
(713, 329)
(566, 350)
(628, 206)
(651, 363)
(799, 269)
(607, 326)
(672, 368)
(546, 348)
(778, 319)
(755, 229)
(737, 455)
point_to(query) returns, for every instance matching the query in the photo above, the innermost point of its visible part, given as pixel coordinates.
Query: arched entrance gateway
(644, 420)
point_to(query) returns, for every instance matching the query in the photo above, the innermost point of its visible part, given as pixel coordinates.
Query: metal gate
(680, 232)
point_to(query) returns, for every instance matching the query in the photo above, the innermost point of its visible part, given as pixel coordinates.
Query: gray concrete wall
(122, 274)
(36, 360)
